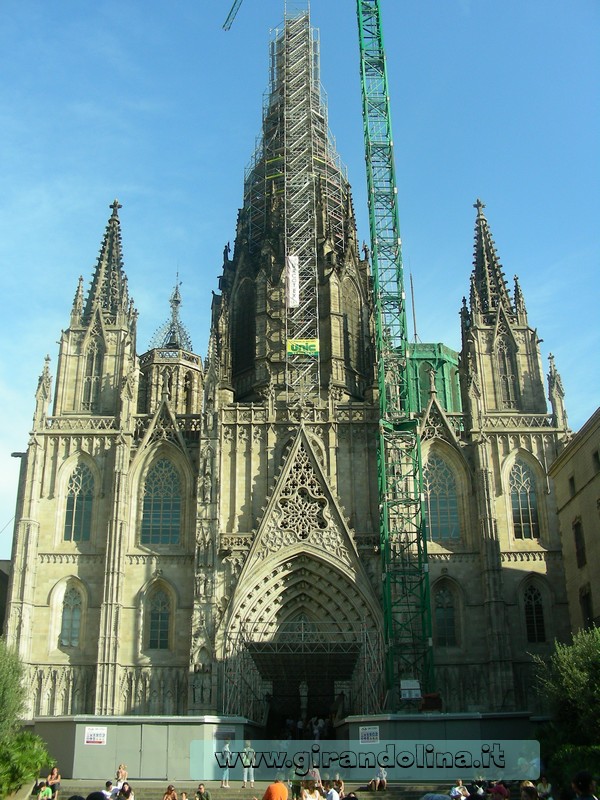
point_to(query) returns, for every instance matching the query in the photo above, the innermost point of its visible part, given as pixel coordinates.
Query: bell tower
(500, 351)
(97, 351)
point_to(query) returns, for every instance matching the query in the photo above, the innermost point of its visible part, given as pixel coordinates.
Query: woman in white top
(310, 791)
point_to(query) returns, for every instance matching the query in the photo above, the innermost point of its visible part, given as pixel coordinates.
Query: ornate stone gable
(435, 424)
(303, 514)
(163, 427)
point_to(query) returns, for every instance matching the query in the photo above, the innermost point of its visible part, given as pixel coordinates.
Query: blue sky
(153, 103)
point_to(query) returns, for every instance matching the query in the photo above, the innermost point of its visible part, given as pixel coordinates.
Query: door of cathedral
(307, 669)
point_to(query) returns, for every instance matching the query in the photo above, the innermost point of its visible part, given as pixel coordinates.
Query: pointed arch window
(441, 500)
(71, 618)
(188, 393)
(244, 328)
(92, 379)
(534, 615)
(524, 502)
(161, 512)
(159, 621)
(445, 618)
(507, 373)
(424, 383)
(80, 498)
(352, 322)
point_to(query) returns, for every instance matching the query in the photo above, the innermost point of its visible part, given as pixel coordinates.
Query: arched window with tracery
(92, 378)
(159, 613)
(441, 500)
(524, 501)
(70, 627)
(507, 372)
(161, 512)
(80, 499)
(534, 615)
(445, 618)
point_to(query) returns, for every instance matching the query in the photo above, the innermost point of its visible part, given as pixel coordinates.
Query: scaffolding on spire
(295, 165)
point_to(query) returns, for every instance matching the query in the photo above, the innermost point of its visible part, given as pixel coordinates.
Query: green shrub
(12, 690)
(22, 756)
(571, 758)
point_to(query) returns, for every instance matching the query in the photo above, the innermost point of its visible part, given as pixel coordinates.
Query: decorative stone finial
(115, 205)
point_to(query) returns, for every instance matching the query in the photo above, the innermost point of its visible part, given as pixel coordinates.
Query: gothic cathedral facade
(194, 534)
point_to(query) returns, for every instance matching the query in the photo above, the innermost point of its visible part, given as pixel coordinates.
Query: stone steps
(154, 790)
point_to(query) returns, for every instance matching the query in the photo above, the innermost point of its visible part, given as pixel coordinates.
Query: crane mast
(405, 577)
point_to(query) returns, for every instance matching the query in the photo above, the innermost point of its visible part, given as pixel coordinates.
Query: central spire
(295, 185)
(295, 295)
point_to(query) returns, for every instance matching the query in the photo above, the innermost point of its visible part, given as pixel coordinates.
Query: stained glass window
(161, 515)
(534, 615)
(71, 618)
(160, 612)
(441, 500)
(524, 502)
(80, 498)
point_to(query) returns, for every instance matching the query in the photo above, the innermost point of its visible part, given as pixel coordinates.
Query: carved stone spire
(520, 301)
(488, 278)
(77, 309)
(556, 395)
(42, 394)
(109, 286)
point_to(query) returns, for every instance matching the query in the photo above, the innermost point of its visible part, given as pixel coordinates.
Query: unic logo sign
(303, 347)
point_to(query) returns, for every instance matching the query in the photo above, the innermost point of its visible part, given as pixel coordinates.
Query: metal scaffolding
(336, 660)
(296, 168)
(409, 646)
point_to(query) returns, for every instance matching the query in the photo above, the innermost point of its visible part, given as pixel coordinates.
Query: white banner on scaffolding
(292, 281)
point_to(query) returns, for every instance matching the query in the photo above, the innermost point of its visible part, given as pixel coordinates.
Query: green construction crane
(407, 612)
(405, 576)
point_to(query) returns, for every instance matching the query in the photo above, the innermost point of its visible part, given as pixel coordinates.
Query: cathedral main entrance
(306, 670)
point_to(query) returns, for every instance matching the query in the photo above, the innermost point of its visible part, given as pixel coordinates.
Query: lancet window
(524, 502)
(92, 379)
(80, 498)
(353, 339)
(161, 513)
(445, 618)
(424, 383)
(71, 618)
(159, 621)
(507, 373)
(244, 328)
(441, 500)
(534, 615)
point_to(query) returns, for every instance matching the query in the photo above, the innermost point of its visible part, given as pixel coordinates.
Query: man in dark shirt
(202, 793)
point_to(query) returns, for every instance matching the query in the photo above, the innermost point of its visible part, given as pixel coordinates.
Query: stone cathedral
(199, 534)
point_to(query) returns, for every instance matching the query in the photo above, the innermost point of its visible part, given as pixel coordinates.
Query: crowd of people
(582, 787)
(313, 788)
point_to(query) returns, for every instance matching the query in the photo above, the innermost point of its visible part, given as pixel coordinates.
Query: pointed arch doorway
(305, 642)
